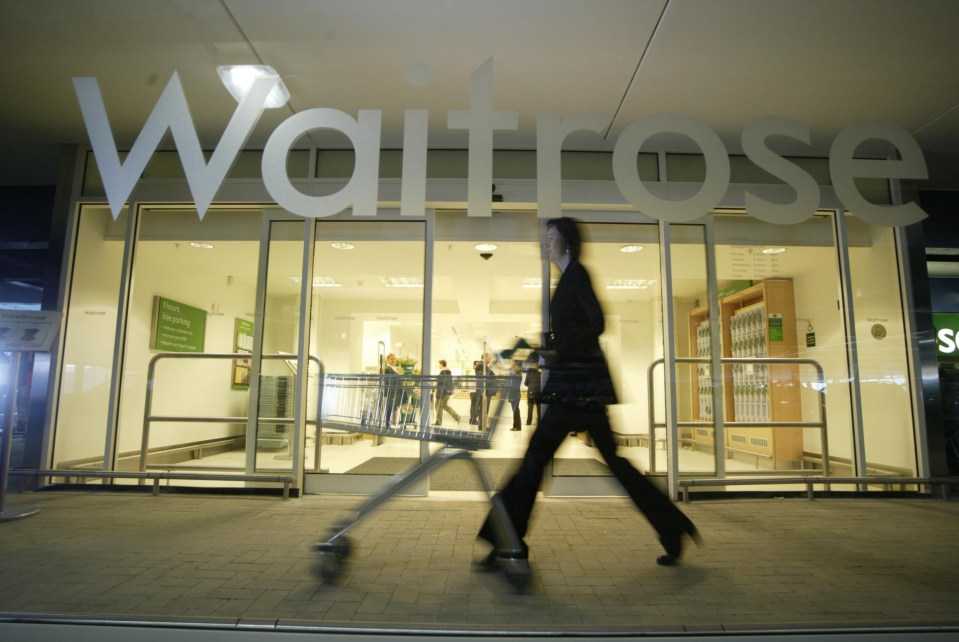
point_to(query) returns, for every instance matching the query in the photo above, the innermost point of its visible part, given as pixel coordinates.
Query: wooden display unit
(759, 321)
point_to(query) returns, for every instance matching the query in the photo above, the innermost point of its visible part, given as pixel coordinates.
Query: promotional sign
(775, 327)
(28, 331)
(177, 327)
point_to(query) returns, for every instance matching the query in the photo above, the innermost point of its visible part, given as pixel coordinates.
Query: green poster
(775, 327)
(177, 327)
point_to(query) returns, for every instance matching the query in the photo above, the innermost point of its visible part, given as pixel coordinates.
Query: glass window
(194, 285)
(884, 379)
(694, 381)
(780, 298)
(277, 386)
(83, 403)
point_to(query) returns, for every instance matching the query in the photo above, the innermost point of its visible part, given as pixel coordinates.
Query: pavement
(772, 564)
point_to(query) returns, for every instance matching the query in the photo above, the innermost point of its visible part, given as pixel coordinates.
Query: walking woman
(578, 389)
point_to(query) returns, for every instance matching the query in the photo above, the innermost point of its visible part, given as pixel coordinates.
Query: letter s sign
(946, 325)
(947, 341)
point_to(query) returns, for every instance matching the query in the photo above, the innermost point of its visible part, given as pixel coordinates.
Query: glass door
(624, 264)
(696, 377)
(271, 377)
(367, 308)
(488, 294)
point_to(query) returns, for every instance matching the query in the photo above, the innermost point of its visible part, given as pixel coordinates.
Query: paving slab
(784, 562)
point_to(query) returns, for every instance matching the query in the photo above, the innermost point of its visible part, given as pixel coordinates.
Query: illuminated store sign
(480, 121)
(947, 334)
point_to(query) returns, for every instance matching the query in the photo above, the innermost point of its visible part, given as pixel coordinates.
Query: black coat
(578, 374)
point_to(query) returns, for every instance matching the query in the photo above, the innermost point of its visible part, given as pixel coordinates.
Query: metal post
(7, 515)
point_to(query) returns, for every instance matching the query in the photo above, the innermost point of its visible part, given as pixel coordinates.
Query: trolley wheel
(333, 556)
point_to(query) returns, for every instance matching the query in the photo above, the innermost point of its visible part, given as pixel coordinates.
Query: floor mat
(456, 474)
(459, 474)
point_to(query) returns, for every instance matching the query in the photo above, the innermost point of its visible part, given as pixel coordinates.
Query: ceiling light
(630, 248)
(239, 79)
(630, 284)
(342, 245)
(202, 246)
(774, 250)
(538, 283)
(320, 281)
(402, 281)
(484, 247)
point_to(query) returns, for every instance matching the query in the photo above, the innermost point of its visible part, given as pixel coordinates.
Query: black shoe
(515, 429)
(491, 561)
(672, 541)
(488, 563)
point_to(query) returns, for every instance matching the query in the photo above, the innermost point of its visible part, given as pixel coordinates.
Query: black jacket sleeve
(576, 316)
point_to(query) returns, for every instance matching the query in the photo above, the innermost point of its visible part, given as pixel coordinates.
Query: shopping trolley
(403, 406)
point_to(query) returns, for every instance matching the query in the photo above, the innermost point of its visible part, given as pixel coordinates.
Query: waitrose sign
(480, 121)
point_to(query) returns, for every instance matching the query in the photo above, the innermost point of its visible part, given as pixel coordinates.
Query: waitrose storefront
(759, 315)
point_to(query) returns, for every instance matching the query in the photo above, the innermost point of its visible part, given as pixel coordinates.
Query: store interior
(481, 283)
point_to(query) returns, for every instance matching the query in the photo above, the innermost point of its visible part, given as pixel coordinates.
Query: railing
(820, 389)
(156, 477)
(149, 418)
(942, 482)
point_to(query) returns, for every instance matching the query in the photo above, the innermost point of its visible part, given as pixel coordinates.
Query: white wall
(630, 346)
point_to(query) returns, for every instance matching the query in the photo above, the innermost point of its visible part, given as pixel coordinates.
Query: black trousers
(519, 494)
(530, 402)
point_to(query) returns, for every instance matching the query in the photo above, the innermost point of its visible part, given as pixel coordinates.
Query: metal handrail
(810, 481)
(148, 418)
(821, 390)
(156, 476)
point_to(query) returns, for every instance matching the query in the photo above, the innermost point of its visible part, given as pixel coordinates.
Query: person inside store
(514, 392)
(392, 389)
(444, 390)
(577, 392)
(533, 384)
(485, 389)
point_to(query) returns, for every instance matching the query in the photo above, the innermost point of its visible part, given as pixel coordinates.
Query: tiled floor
(767, 562)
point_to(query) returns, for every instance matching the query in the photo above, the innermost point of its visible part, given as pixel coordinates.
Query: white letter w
(171, 112)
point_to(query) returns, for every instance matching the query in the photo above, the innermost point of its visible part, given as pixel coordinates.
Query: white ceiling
(828, 63)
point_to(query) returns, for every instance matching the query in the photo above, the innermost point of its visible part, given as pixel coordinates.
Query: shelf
(756, 322)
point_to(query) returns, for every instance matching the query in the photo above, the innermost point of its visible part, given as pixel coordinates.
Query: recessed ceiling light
(484, 247)
(538, 283)
(631, 248)
(342, 245)
(630, 284)
(774, 250)
(202, 246)
(402, 281)
(320, 281)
